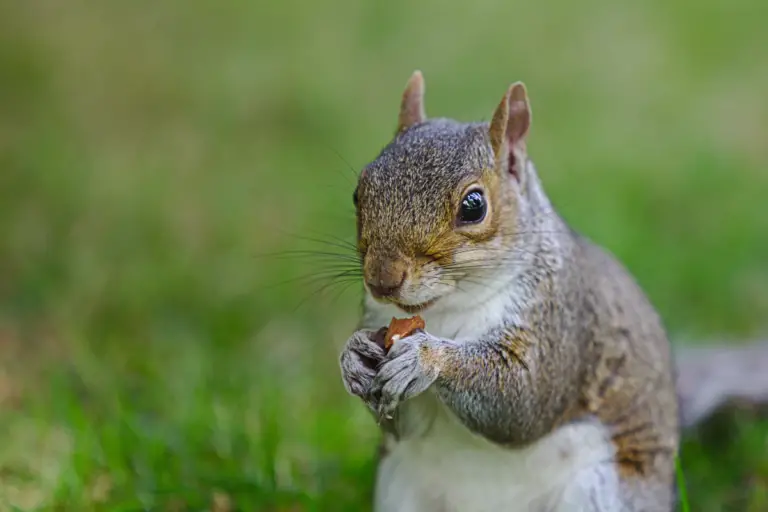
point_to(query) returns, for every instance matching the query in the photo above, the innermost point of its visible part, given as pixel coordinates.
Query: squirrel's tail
(708, 377)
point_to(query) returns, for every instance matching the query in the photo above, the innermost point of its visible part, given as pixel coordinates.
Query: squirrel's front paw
(412, 365)
(359, 360)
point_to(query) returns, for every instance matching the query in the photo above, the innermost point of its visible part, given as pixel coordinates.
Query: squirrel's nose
(386, 284)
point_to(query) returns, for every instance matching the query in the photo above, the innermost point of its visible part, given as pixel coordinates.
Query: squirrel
(544, 379)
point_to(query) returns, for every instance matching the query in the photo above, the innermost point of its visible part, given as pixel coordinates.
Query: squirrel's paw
(359, 360)
(410, 369)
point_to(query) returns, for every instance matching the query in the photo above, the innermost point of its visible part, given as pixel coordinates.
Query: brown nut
(401, 328)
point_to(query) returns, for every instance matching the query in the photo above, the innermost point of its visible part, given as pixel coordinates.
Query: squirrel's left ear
(412, 105)
(509, 128)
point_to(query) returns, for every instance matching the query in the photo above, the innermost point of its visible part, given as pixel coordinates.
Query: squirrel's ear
(510, 124)
(412, 105)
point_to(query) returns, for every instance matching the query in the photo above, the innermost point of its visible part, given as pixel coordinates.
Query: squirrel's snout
(385, 279)
(386, 287)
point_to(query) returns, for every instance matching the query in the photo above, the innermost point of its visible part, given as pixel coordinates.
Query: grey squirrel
(544, 379)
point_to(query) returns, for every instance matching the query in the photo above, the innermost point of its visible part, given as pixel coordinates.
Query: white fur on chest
(440, 466)
(449, 470)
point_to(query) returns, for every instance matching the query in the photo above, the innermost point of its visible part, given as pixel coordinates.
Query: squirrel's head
(437, 209)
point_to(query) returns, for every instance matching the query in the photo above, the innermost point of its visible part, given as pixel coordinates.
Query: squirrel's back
(631, 388)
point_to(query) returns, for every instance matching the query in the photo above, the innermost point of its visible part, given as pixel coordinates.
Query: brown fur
(584, 341)
(590, 343)
(632, 389)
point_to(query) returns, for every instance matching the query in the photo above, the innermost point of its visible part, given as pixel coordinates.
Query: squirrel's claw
(358, 361)
(403, 375)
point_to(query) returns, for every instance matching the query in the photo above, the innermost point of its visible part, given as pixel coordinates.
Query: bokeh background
(151, 153)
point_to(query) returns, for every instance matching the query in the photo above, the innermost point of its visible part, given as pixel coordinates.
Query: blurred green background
(151, 151)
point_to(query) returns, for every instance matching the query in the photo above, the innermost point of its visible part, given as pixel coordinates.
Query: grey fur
(711, 376)
(405, 373)
(409, 181)
(575, 309)
(579, 338)
(359, 359)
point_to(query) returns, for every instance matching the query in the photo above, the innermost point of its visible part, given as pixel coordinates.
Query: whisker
(347, 243)
(344, 245)
(306, 253)
(481, 264)
(352, 170)
(493, 250)
(471, 281)
(316, 276)
(320, 290)
(344, 288)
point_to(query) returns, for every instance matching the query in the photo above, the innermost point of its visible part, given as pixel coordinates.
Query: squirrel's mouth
(415, 308)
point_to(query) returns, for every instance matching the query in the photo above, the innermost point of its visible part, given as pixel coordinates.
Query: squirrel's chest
(439, 466)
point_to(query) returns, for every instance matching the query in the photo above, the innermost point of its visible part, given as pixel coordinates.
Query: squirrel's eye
(473, 208)
(354, 198)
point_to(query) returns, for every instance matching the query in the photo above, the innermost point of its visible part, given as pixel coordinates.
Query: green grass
(685, 505)
(149, 151)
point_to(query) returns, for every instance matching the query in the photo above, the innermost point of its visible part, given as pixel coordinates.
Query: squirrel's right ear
(412, 105)
(509, 128)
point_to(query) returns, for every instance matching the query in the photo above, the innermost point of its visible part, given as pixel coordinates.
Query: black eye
(473, 208)
(354, 198)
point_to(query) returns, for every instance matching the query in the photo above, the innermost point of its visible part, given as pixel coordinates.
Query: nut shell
(400, 328)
